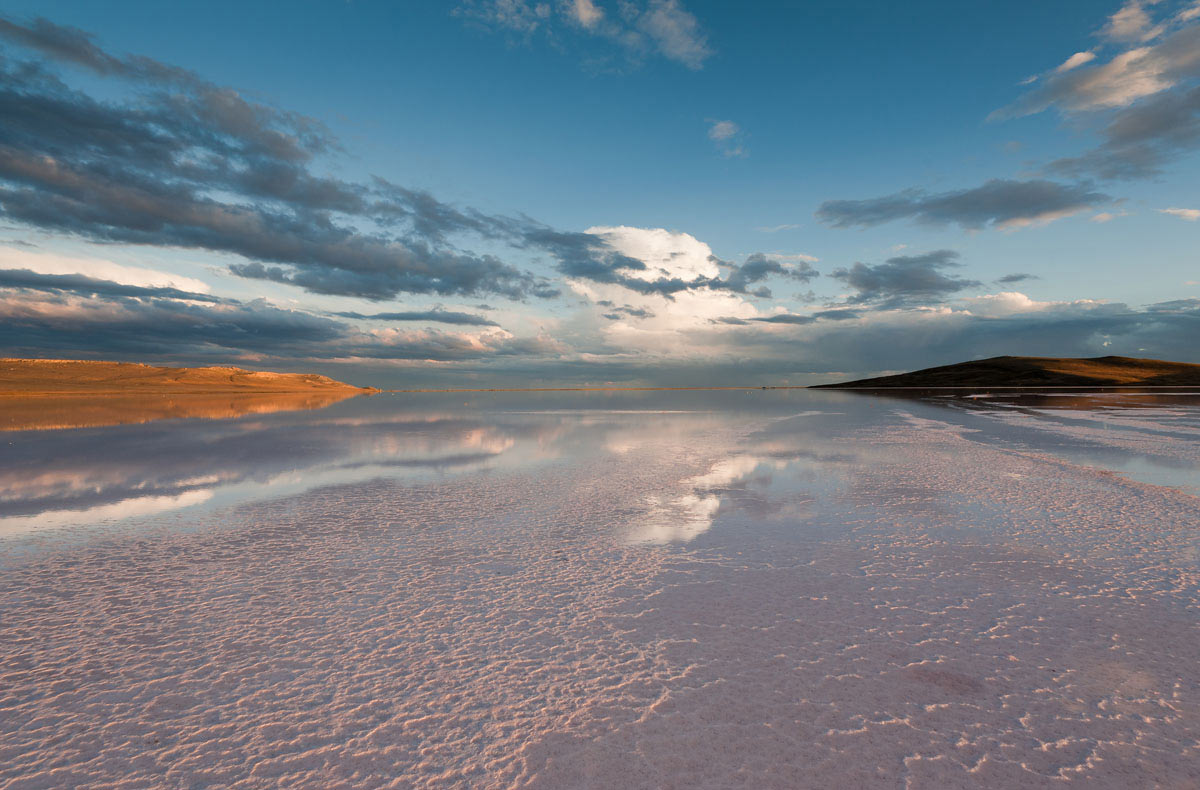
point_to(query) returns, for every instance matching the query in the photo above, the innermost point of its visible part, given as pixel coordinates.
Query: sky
(591, 192)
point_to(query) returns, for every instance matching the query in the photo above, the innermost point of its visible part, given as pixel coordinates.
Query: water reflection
(699, 459)
(55, 412)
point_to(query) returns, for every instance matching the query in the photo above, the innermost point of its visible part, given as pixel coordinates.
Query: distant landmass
(41, 394)
(33, 377)
(1041, 372)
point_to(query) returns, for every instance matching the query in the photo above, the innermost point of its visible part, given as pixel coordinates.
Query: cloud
(1128, 76)
(51, 263)
(193, 165)
(722, 130)
(618, 313)
(71, 314)
(785, 318)
(436, 315)
(1140, 140)
(759, 266)
(663, 27)
(1017, 277)
(999, 203)
(904, 280)
(585, 12)
(675, 32)
(82, 284)
(1142, 98)
(1189, 214)
(1132, 23)
(777, 228)
(1076, 60)
(728, 138)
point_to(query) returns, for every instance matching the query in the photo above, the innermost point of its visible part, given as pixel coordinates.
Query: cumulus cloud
(634, 29)
(904, 279)
(1000, 203)
(1188, 214)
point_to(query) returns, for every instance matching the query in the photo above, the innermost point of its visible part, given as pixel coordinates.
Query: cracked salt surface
(702, 589)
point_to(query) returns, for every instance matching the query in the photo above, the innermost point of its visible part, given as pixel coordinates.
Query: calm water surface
(726, 588)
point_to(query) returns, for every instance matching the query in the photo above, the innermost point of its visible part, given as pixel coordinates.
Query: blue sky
(592, 192)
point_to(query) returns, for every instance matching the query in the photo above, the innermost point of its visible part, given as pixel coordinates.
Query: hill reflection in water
(81, 411)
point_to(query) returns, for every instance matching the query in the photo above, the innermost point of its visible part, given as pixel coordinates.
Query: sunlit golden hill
(54, 393)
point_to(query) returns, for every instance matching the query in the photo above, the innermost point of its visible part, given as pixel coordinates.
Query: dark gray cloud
(997, 203)
(904, 279)
(1139, 141)
(837, 315)
(758, 267)
(785, 318)
(789, 318)
(183, 162)
(435, 315)
(81, 284)
(625, 311)
(43, 315)
(1017, 277)
(146, 170)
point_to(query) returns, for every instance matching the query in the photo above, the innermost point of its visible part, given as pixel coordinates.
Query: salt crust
(900, 604)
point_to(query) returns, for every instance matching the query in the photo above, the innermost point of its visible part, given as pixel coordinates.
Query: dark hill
(1042, 372)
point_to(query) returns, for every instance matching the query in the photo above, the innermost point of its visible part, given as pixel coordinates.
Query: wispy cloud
(1141, 94)
(999, 203)
(631, 28)
(728, 137)
(1189, 214)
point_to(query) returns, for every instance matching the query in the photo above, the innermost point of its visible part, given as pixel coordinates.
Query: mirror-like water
(766, 588)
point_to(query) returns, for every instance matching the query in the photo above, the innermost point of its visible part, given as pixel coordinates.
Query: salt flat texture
(800, 590)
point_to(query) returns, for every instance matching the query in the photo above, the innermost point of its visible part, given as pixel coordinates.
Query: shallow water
(612, 589)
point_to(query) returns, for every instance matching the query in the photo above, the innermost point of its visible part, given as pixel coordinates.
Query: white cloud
(728, 137)
(1076, 60)
(637, 27)
(777, 228)
(1189, 214)
(98, 268)
(676, 32)
(1039, 220)
(1132, 23)
(585, 12)
(1085, 85)
(792, 257)
(722, 130)
(672, 324)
